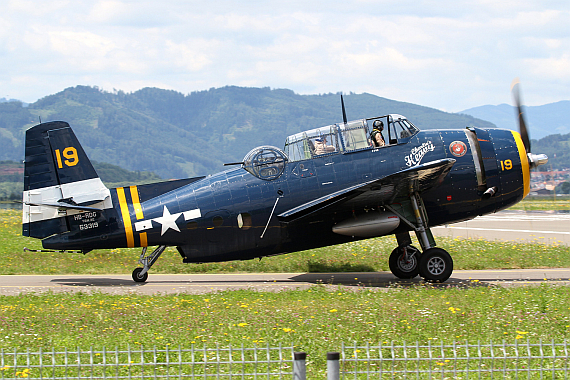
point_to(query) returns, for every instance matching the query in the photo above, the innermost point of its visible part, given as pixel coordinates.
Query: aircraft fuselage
(236, 215)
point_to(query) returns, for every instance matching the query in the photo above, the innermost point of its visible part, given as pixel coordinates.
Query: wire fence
(141, 363)
(517, 360)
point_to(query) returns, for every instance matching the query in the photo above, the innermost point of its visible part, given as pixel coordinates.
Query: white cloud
(192, 55)
(447, 54)
(106, 11)
(80, 45)
(553, 68)
(33, 9)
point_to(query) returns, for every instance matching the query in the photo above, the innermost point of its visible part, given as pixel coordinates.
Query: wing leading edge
(381, 191)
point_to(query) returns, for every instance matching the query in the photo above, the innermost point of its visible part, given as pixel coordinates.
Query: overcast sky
(449, 54)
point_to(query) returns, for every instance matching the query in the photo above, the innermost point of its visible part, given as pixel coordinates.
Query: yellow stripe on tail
(126, 217)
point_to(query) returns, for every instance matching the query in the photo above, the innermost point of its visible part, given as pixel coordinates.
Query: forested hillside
(557, 148)
(12, 178)
(177, 135)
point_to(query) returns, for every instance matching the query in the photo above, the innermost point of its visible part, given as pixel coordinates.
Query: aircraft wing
(373, 193)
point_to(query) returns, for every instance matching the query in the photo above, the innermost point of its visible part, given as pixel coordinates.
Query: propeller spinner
(534, 160)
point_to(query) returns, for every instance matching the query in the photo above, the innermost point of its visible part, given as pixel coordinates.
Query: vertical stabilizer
(59, 180)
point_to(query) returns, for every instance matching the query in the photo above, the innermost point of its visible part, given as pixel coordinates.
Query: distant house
(541, 192)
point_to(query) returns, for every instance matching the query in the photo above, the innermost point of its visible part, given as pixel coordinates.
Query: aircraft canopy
(352, 136)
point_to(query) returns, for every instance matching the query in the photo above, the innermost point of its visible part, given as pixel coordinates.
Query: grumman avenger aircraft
(329, 185)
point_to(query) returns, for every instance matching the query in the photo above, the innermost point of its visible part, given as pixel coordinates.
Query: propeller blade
(515, 89)
(343, 110)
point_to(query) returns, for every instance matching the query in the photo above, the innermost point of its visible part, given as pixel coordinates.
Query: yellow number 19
(506, 165)
(70, 153)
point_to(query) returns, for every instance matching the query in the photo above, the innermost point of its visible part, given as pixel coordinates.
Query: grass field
(544, 204)
(316, 320)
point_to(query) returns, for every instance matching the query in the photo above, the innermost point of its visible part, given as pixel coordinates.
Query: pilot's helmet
(378, 125)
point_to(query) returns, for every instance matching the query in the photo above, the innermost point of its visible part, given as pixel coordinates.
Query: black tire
(436, 265)
(137, 277)
(402, 268)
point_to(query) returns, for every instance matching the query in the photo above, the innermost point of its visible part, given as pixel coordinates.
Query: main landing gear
(141, 274)
(406, 261)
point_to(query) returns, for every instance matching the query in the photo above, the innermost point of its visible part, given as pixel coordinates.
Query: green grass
(543, 204)
(361, 256)
(316, 320)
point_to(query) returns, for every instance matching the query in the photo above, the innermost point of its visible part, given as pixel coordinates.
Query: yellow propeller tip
(514, 83)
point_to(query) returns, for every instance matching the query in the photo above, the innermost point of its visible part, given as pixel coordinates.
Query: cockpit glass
(401, 129)
(345, 137)
(354, 135)
(315, 142)
(323, 140)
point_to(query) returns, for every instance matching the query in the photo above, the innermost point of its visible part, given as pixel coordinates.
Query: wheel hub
(436, 266)
(407, 264)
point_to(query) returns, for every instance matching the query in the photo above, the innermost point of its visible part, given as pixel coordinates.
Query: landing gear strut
(141, 274)
(434, 264)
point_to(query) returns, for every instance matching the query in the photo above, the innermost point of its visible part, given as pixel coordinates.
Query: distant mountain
(548, 119)
(177, 135)
(4, 100)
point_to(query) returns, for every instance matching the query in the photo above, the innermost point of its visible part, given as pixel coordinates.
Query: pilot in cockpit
(321, 146)
(376, 134)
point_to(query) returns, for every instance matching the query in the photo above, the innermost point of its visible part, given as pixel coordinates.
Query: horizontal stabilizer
(64, 206)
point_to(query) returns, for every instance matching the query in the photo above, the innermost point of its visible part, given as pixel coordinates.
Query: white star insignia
(167, 220)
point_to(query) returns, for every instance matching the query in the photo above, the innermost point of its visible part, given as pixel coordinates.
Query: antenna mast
(343, 110)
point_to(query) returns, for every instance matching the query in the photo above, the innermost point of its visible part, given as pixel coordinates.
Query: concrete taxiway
(521, 226)
(205, 283)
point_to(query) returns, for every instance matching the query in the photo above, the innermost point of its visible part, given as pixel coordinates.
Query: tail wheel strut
(141, 274)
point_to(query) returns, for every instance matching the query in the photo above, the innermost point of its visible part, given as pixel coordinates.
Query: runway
(521, 226)
(206, 283)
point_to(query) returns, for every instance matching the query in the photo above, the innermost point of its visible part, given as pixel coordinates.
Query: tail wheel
(138, 277)
(403, 262)
(436, 265)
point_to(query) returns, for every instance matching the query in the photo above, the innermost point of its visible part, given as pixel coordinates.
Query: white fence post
(299, 366)
(333, 365)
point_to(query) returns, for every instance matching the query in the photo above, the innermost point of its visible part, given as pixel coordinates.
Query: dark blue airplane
(328, 186)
